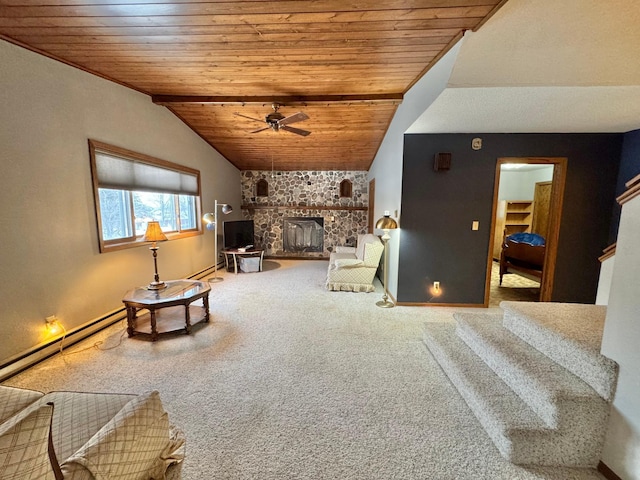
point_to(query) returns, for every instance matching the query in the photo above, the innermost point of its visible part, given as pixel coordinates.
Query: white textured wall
(520, 185)
(620, 342)
(604, 281)
(49, 258)
(387, 165)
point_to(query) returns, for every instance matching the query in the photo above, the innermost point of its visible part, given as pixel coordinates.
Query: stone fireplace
(303, 234)
(270, 198)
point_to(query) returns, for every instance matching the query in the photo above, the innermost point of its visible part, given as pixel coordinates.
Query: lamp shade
(226, 208)
(386, 223)
(154, 233)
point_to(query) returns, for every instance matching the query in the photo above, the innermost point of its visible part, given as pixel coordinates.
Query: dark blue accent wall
(629, 168)
(437, 243)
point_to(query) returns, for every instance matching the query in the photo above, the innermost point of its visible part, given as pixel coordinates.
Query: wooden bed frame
(521, 257)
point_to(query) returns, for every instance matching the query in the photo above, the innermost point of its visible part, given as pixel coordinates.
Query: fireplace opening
(303, 234)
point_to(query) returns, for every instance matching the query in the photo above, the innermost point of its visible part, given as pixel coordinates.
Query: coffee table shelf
(235, 253)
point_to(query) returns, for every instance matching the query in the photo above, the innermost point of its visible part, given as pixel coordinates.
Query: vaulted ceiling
(544, 66)
(345, 65)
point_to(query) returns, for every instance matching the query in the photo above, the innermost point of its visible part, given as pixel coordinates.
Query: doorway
(537, 212)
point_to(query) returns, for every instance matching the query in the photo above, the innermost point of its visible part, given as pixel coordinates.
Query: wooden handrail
(633, 190)
(608, 252)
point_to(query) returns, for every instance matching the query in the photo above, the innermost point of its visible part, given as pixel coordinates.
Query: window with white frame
(132, 189)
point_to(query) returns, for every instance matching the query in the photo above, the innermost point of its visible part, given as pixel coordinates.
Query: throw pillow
(360, 249)
(12, 400)
(130, 445)
(347, 262)
(24, 446)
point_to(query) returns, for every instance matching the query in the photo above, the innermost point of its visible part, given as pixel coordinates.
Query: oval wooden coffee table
(177, 295)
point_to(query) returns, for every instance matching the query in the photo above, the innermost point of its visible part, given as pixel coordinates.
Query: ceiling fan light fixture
(276, 121)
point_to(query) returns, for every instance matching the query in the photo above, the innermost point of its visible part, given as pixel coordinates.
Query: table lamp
(154, 234)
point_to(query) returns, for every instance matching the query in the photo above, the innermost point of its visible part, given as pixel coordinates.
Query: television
(237, 234)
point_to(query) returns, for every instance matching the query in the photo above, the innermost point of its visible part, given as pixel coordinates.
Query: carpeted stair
(552, 328)
(536, 411)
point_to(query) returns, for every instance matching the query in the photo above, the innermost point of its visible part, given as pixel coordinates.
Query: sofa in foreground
(353, 269)
(85, 436)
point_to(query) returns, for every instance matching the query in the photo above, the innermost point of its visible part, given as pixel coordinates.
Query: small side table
(235, 253)
(177, 294)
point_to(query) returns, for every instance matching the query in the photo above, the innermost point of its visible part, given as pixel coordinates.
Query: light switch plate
(475, 225)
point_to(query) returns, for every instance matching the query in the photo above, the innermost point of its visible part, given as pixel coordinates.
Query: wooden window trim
(135, 241)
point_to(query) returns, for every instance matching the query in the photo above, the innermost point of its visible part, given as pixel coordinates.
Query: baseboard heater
(36, 354)
(28, 358)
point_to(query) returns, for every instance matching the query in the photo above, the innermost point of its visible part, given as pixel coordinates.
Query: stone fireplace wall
(305, 194)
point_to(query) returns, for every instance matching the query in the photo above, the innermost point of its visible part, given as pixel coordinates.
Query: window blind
(131, 174)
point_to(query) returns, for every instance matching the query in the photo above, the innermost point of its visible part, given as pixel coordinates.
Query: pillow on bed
(532, 239)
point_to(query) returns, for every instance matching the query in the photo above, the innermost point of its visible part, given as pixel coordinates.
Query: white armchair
(353, 269)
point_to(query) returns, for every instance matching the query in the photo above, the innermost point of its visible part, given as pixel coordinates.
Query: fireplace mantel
(301, 207)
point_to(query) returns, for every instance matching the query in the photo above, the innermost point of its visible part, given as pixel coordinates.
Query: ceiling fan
(277, 121)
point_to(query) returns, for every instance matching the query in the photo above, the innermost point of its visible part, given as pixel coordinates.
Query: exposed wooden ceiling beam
(384, 98)
(347, 65)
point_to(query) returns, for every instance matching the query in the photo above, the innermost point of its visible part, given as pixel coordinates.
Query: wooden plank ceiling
(346, 65)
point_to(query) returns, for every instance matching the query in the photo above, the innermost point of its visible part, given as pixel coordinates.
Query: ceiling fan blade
(260, 130)
(297, 131)
(250, 118)
(296, 117)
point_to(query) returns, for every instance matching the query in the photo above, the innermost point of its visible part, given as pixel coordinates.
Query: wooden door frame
(372, 202)
(555, 215)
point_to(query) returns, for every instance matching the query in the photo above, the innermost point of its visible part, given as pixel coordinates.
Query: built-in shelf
(517, 216)
(300, 207)
(512, 216)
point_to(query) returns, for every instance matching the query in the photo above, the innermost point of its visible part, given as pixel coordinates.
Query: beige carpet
(290, 381)
(514, 288)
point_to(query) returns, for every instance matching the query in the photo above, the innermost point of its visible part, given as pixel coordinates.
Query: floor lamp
(211, 219)
(385, 224)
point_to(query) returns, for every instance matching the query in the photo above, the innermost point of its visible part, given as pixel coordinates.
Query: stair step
(570, 334)
(500, 411)
(555, 394)
(517, 432)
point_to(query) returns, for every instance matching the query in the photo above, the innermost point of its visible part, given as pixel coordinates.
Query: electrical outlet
(436, 286)
(54, 327)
